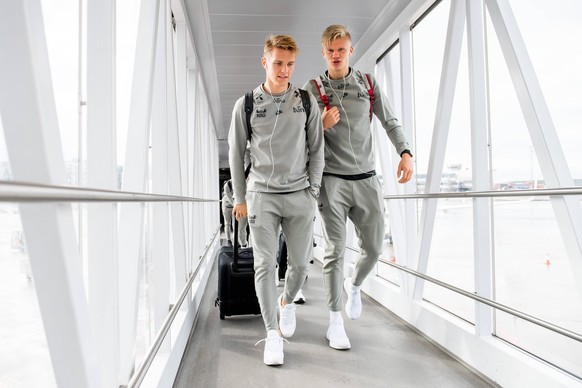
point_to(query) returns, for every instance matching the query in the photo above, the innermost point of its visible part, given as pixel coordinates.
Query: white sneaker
(273, 348)
(354, 303)
(299, 298)
(287, 320)
(337, 335)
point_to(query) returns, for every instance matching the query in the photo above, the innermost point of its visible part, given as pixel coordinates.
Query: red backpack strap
(321, 90)
(368, 84)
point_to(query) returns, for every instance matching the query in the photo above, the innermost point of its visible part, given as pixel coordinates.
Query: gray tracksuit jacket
(349, 149)
(286, 155)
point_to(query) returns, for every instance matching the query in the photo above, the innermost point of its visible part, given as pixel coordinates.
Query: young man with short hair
(286, 151)
(350, 187)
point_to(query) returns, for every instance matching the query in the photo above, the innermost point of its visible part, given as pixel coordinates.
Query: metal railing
(489, 302)
(492, 193)
(13, 191)
(140, 373)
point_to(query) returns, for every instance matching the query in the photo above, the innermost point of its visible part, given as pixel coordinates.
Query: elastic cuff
(406, 152)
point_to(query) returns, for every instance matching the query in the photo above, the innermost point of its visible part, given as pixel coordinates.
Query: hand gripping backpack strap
(321, 90)
(369, 88)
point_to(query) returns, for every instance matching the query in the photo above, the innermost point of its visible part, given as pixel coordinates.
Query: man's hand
(330, 117)
(405, 169)
(239, 211)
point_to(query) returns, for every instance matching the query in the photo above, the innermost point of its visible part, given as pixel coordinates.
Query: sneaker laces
(266, 339)
(287, 313)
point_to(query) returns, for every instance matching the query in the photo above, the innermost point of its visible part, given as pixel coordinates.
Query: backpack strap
(306, 104)
(368, 85)
(321, 90)
(249, 111)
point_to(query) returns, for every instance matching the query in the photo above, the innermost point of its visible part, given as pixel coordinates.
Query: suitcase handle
(235, 246)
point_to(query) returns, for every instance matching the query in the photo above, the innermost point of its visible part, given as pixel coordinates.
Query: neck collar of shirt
(327, 77)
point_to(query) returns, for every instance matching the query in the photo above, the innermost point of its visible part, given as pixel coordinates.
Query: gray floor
(385, 352)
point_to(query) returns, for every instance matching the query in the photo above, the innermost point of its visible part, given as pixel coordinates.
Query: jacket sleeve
(315, 143)
(385, 114)
(237, 143)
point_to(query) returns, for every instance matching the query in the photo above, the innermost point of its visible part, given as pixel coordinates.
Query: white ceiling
(229, 37)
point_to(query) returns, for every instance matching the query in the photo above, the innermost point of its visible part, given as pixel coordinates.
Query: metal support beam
(102, 173)
(134, 174)
(440, 135)
(481, 166)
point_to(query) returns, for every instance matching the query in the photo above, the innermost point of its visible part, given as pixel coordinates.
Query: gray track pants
(361, 201)
(294, 213)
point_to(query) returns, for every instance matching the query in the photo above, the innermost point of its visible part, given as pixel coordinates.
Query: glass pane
(24, 353)
(545, 344)
(428, 45)
(61, 22)
(514, 163)
(145, 315)
(126, 34)
(532, 267)
(558, 66)
(533, 275)
(451, 257)
(5, 171)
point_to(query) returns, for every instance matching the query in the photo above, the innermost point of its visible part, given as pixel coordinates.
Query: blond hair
(333, 32)
(284, 42)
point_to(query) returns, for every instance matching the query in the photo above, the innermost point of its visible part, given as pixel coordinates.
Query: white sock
(334, 315)
(353, 287)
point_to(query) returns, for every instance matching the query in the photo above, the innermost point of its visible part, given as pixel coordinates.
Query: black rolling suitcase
(282, 256)
(236, 280)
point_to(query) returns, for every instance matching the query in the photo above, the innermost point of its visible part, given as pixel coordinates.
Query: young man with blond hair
(286, 152)
(350, 188)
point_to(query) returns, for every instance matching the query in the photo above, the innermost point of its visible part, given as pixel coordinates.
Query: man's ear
(264, 62)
